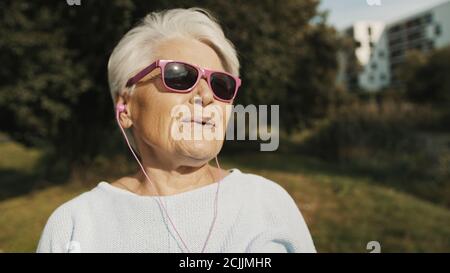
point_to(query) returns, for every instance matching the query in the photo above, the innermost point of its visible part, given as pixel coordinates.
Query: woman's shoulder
(267, 192)
(60, 224)
(263, 185)
(79, 204)
(284, 224)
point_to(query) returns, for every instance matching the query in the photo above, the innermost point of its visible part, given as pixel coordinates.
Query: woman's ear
(125, 115)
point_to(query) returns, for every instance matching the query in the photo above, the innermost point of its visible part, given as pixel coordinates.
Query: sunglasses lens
(180, 76)
(223, 85)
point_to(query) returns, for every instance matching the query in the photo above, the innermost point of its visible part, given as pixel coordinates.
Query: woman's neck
(169, 182)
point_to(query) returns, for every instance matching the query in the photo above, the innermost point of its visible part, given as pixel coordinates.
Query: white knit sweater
(254, 215)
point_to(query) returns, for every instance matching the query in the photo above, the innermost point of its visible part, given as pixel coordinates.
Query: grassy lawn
(344, 211)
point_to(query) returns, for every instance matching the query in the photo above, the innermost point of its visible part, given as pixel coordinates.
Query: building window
(381, 54)
(374, 66)
(428, 18)
(382, 77)
(371, 78)
(413, 23)
(396, 53)
(437, 30)
(394, 29)
(415, 35)
(369, 31)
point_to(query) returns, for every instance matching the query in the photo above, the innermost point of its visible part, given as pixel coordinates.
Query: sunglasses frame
(202, 73)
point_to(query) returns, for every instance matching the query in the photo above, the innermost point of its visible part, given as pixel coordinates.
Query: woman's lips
(201, 121)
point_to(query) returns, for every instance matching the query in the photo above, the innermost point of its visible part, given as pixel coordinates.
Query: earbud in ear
(120, 107)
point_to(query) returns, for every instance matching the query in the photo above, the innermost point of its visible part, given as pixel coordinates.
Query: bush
(426, 77)
(390, 142)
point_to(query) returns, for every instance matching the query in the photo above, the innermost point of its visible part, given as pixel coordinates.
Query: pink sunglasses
(181, 77)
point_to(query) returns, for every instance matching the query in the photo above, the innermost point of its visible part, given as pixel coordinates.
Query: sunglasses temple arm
(141, 74)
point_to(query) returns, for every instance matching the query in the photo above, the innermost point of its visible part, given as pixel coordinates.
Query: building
(425, 30)
(365, 35)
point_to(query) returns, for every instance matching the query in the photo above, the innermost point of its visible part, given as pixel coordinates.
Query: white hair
(135, 50)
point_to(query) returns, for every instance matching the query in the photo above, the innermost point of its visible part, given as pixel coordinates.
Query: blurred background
(364, 95)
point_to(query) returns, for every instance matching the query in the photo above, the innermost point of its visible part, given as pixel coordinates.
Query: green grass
(346, 211)
(17, 166)
(343, 210)
(23, 218)
(17, 157)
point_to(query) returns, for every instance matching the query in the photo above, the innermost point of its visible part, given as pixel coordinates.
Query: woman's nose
(203, 93)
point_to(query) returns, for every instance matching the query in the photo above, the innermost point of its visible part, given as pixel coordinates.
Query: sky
(343, 12)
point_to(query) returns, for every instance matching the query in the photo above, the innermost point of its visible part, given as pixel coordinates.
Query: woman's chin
(199, 149)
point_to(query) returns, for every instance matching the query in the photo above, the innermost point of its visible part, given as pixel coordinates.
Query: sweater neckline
(106, 186)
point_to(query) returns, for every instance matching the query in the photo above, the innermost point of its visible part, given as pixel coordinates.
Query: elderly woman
(177, 202)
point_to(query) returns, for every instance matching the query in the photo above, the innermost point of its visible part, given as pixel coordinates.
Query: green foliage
(41, 81)
(426, 77)
(350, 66)
(390, 142)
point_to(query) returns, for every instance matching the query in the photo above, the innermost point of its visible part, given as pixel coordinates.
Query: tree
(414, 60)
(41, 83)
(426, 77)
(53, 92)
